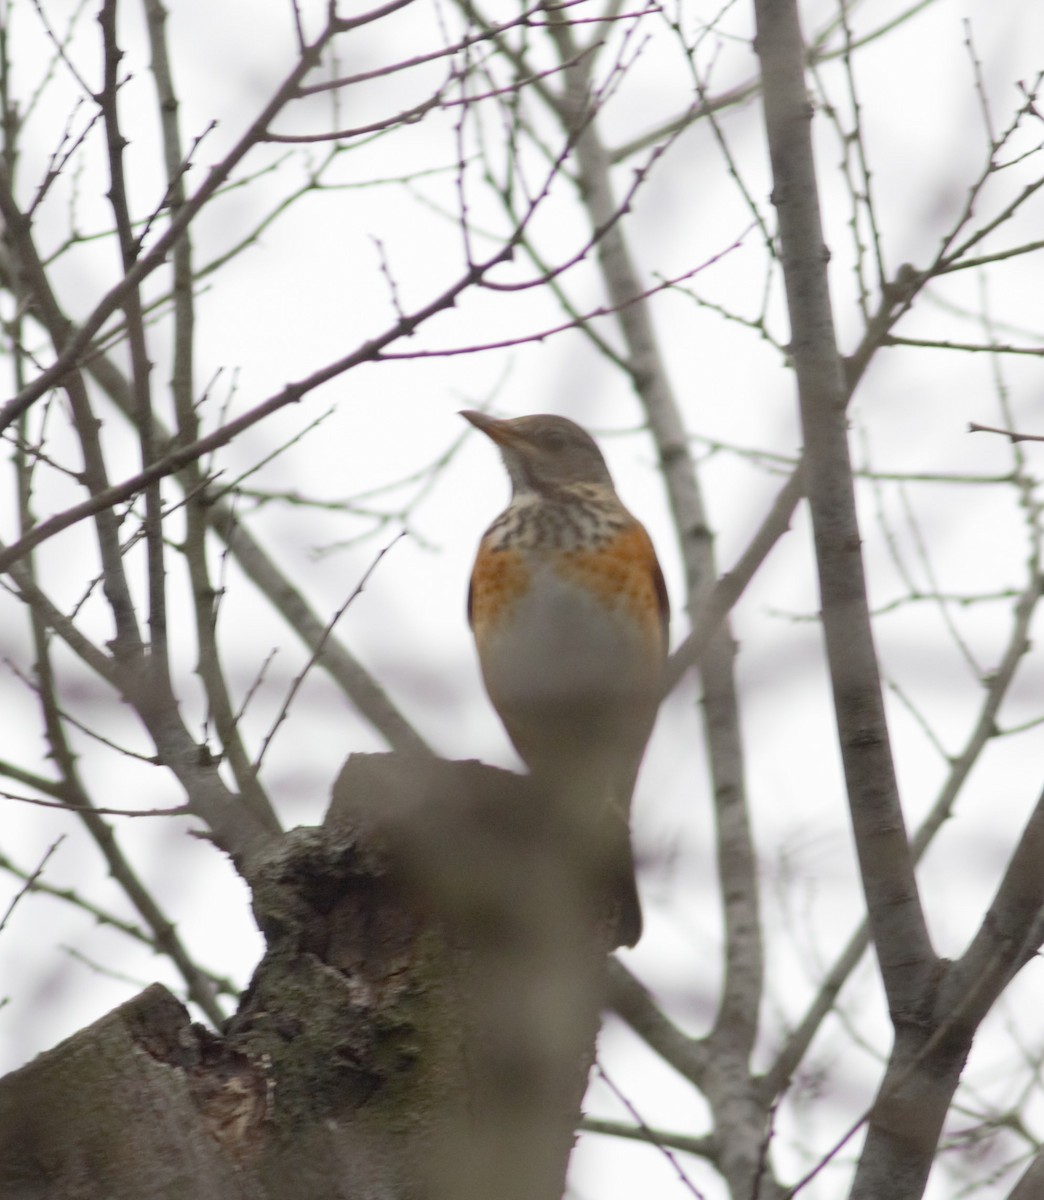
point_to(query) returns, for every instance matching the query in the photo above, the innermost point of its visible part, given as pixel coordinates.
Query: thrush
(569, 611)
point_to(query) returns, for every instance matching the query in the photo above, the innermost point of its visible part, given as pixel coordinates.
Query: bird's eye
(555, 442)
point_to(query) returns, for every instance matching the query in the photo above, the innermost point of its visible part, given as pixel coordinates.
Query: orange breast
(623, 571)
(626, 574)
(498, 579)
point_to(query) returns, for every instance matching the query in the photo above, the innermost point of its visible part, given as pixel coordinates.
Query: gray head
(542, 453)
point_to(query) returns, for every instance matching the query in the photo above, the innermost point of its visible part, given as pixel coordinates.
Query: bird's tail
(629, 907)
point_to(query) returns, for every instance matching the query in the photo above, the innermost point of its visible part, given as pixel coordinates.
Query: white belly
(561, 645)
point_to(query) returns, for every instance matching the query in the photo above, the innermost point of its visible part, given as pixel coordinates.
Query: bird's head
(543, 453)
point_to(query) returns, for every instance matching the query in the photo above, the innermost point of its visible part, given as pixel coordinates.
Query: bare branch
(317, 651)
(900, 933)
(631, 1001)
(80, 340)
(1010, 434)
(180, 810)
(30, 882)
(1000, 946)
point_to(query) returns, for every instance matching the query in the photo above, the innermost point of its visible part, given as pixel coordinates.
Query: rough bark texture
(136, 1105)
(421, 1025)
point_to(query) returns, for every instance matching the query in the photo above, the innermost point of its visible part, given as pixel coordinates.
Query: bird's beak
(501, 432)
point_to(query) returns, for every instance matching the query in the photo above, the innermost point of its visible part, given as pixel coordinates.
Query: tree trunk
(421, 1025)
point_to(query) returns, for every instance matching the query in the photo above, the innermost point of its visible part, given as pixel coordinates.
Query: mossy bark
(421, 1025)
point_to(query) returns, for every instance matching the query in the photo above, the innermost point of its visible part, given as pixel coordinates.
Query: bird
(569, 612)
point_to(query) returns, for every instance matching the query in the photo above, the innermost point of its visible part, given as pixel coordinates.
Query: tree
(548, 198)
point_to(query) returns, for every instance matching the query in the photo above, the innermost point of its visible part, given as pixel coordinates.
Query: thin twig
(317, 650)
(30, 881)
